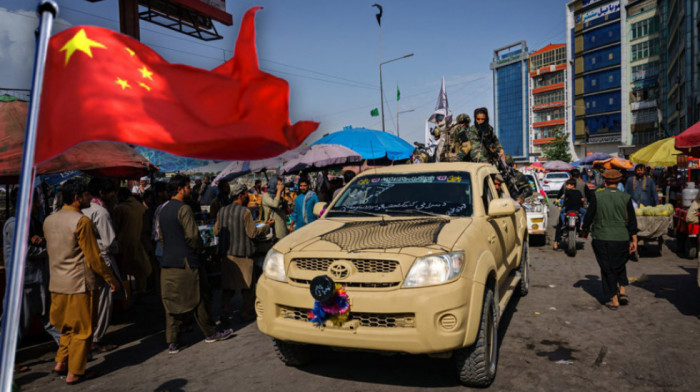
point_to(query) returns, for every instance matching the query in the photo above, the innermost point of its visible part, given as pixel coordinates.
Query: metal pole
(47, 11)
(397, 118)
(381, 86)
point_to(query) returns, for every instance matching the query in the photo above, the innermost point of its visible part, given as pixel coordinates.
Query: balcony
(551, 87)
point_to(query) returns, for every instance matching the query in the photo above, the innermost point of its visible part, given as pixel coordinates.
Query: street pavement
(558, 338)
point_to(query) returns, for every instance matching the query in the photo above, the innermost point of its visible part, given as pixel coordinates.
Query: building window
(645, 49)
(610, 101)
(593, 82)
(645, 27)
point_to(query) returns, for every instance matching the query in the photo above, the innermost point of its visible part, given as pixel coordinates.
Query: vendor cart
(652, 229)
(686, 234)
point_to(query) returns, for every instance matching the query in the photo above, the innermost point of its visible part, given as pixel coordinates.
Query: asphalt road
(558, 338)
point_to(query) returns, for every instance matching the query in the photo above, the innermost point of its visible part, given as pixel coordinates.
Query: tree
(558, 150)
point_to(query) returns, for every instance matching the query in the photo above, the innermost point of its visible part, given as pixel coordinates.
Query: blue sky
(328, 51)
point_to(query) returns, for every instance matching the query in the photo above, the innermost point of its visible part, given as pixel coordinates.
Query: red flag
(102, 85)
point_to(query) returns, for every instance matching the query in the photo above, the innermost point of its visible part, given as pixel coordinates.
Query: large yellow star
(122, 83)
(145, 73)
(82, 43)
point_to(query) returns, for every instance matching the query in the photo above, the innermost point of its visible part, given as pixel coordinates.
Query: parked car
(426, 257)
(537, 211)
(553, 181)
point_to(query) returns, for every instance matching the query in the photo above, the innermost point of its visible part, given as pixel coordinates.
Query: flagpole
(47, 11)
(381, 87)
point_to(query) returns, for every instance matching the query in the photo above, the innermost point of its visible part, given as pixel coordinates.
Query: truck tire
(476, 364)
(524, 269)
(292, 354)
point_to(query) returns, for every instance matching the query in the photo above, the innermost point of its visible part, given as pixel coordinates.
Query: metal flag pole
(47, 11)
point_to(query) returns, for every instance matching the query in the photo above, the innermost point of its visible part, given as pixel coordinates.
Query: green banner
(374, 112)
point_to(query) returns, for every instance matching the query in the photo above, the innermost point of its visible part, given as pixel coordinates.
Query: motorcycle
(570, 230)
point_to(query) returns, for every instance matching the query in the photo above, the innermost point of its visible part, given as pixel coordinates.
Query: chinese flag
(102, 85)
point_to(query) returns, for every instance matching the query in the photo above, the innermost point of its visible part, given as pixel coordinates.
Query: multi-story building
(548, 96)
(597, 47)
(644, 66)
(510, 98)
(678, 81)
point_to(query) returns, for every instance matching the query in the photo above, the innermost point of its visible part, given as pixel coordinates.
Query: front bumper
(416, 321)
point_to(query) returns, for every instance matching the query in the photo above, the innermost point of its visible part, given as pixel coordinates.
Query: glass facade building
(510, 86)
(598, 51)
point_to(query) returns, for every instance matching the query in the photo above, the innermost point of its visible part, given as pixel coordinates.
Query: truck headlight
(435, 269)
(273, 267)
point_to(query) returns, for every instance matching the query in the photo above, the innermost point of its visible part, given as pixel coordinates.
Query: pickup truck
(416, 259)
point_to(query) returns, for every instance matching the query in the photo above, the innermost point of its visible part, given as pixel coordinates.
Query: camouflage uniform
(479, 147)
(521, 188)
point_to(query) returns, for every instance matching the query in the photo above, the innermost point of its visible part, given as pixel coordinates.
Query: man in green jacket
(612, 221)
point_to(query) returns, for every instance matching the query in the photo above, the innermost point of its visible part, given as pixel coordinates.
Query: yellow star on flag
(145, 73)
(131, 52)
(122, 83)
(144, 85)
(82, 43)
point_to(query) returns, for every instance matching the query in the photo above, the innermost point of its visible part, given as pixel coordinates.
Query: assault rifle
(510, 177)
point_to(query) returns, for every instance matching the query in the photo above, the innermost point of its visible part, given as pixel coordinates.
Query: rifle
(509, 176)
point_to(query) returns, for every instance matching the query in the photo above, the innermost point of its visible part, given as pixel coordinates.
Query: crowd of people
(99, 243)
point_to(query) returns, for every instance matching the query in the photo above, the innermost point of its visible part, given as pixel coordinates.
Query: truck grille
(362, 265)
(371, 320)
(371, 285)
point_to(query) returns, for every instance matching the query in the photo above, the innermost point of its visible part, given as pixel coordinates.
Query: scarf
(98, 201)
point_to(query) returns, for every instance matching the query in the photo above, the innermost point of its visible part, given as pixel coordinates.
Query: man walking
(275, 206)
(236, 229)
(612, 221)
(102, 191)
(304, 205)
(183, 280)
(74, 262)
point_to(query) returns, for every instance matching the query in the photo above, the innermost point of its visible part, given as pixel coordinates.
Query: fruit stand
(653, 223)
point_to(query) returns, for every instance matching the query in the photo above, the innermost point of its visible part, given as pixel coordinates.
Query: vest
(175, 248)
(68, 271)
(232, 227)
(610, 221)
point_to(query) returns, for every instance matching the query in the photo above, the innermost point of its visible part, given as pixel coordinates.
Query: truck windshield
(444, 193)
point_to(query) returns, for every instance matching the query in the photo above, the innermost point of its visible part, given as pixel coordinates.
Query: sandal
(610, 306)
(89, 375)
(624, 299)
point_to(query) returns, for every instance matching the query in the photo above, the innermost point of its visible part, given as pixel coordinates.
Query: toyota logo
(339, 270)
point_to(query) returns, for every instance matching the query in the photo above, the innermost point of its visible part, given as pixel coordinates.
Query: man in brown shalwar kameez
(74, 262)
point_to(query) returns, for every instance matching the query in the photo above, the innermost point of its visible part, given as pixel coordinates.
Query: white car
(553, 181)
(536, 210)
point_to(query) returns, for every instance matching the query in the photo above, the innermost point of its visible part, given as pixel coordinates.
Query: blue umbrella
(370, 144)
(596, 156)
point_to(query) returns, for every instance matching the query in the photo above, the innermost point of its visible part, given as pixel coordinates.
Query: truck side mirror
(319, 207)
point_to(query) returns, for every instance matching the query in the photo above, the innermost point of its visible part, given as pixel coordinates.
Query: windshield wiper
(357, 212)
(418, 211)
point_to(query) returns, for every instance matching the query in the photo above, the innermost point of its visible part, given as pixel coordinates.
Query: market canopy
(557, 165)
(321, 155)
(614, 163)
(370, 143)
(688, 141)
(661, 153)
(168, 162)
(239, 168)
(106, 159)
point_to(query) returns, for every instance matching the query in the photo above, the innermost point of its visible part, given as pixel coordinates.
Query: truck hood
(314, 237)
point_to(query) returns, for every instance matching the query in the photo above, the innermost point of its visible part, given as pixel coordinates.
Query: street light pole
(397, 117)
(381, 87)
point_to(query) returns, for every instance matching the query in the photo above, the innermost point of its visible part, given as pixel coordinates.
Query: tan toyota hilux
(417, 259)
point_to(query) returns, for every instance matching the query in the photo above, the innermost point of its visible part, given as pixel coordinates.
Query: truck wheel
(476, 364)
(291, 354)
(571, 244)
(524, 269)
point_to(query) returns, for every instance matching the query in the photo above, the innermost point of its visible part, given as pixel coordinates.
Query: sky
(328, 51)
